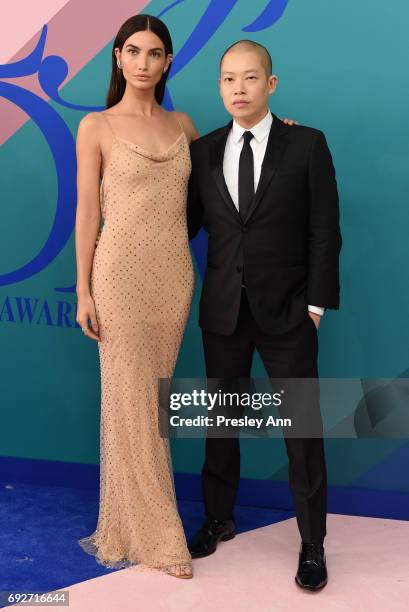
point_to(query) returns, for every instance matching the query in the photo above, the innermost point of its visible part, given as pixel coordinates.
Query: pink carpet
(367, 560)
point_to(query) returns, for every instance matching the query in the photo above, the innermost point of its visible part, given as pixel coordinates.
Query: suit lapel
(276, 145)
(216, 161)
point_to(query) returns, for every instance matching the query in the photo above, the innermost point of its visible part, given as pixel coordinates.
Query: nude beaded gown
(142, 285)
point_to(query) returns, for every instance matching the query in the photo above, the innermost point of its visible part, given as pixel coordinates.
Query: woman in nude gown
(135, 285)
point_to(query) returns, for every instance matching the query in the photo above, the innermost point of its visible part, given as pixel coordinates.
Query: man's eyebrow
(245, 72)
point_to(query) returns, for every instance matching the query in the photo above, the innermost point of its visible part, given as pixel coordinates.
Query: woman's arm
(88, 213)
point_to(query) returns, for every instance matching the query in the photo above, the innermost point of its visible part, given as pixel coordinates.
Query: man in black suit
(266, 194)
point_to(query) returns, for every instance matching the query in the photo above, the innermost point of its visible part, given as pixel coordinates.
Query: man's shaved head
(251, 45)
(246, 82)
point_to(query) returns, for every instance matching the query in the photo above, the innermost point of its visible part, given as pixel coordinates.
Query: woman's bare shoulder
(89, 128)
(91, 122)
(188, 125)
(92, 129)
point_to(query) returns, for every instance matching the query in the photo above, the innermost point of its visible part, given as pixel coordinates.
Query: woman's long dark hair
(137, 23)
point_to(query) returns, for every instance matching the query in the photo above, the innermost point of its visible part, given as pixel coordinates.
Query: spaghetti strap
(180, 124)
(108, 122)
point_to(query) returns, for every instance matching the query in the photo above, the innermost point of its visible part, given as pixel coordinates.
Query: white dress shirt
(231, 160)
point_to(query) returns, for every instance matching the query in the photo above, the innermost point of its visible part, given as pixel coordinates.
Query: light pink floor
(367, 560)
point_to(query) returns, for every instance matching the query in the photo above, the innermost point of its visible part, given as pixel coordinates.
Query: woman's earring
(118, 63)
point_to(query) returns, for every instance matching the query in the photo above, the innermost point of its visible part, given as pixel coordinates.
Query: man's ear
(272, 84)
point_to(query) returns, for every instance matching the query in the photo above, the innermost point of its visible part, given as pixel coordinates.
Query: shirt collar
(259, 131)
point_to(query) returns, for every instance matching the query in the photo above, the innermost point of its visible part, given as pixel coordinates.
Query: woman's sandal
(186, 569)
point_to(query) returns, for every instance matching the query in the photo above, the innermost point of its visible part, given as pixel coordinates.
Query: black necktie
(246, 176)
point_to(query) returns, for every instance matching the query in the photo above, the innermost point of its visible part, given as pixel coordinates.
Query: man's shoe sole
(225, 538)
(309, 588)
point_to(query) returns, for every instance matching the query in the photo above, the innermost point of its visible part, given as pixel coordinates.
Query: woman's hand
(289, 121)
(85, 311)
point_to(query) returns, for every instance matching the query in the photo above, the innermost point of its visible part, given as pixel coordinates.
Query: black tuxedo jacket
(287, 247)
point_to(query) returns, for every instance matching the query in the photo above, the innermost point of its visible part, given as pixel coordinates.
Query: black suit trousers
(292, 354)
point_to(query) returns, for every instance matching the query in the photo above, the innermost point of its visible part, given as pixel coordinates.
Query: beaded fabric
(142, 285)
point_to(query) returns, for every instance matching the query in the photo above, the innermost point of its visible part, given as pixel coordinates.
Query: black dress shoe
(206, 539)
(312, 570)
